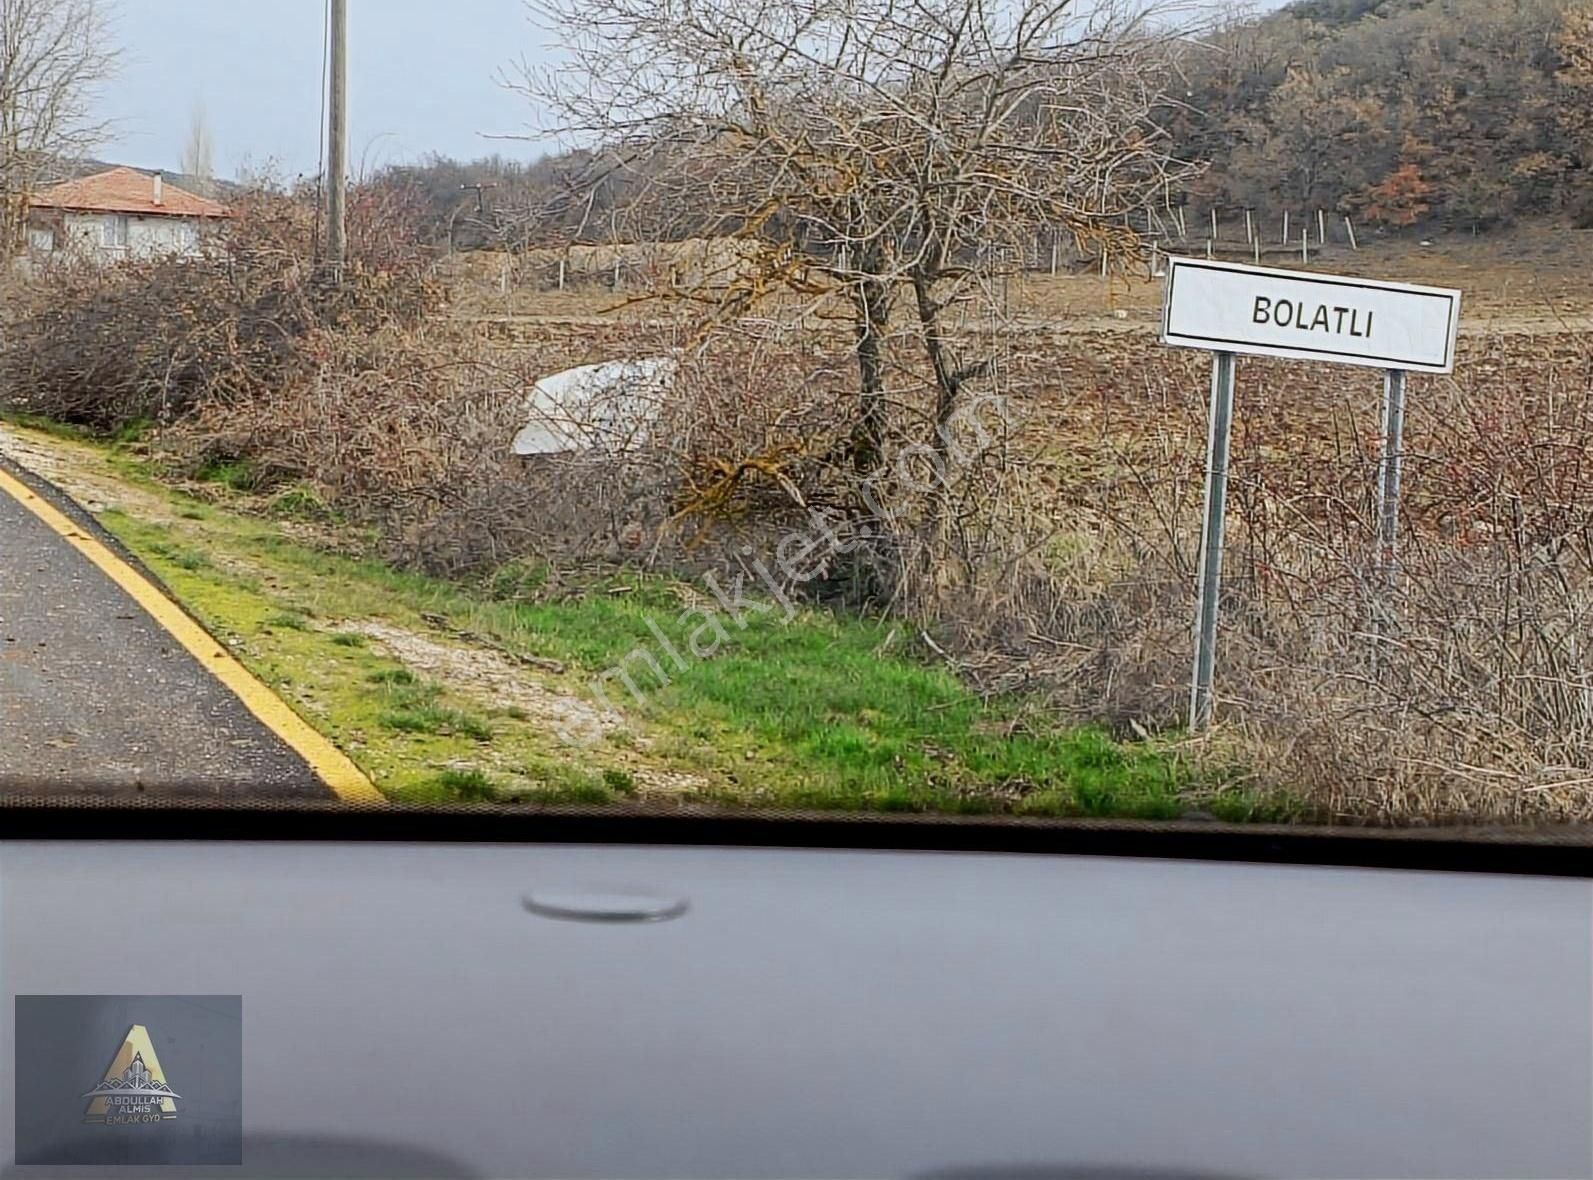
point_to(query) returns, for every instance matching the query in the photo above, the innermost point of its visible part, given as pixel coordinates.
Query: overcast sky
(421, 79)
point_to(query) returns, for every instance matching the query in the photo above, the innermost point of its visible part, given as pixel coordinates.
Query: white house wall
(146, 236)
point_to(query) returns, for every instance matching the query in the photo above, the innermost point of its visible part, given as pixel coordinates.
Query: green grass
(576, 795)
(567, 783)
(467, 786)
(300, 502)
(45, 426)
(438, 719)
(810, 714)
(414, 706)
(238, 474)
(131, 433)
(517, 579)
(826, 711)
(550, 784)
(620, 781)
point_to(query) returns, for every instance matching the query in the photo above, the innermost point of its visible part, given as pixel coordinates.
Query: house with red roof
(120, 213)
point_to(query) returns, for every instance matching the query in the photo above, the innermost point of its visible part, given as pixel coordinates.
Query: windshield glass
(1127, 411)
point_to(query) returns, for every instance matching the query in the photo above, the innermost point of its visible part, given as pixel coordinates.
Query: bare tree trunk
(948, 381)
(950, 378)
(872, 299)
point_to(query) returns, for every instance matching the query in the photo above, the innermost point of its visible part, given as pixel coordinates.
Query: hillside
(1467, 113)
(1457, 114)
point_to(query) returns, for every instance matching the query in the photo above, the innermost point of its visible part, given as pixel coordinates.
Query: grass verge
(823, 711)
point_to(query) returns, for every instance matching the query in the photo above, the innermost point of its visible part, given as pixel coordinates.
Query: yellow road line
(333, 766)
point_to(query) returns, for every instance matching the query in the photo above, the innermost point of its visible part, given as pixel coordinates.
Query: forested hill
(1469, 112)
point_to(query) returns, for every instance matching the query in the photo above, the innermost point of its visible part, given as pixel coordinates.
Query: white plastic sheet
(607, 407)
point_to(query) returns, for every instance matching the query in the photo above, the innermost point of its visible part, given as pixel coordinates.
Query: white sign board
(1227, 307)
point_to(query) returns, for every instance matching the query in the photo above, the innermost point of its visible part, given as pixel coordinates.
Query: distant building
(120, 213)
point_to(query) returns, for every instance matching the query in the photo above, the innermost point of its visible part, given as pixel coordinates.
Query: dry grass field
(1535, 274)
(1082, 353)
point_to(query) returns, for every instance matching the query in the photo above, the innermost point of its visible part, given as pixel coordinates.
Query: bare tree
(870, 154)
(53, 56)
(199, 151)
(876, 141)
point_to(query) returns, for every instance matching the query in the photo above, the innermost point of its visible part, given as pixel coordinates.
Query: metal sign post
(1227, 308)
(1211, 539)
(1389, 472)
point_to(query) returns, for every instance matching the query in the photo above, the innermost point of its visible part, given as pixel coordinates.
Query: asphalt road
(97, 698)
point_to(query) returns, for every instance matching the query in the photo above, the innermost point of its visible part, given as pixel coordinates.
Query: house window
(113, 230)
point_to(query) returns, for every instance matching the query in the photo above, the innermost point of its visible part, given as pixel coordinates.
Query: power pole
(337, 145)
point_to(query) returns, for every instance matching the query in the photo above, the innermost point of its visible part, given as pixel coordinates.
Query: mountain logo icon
(134, 1089)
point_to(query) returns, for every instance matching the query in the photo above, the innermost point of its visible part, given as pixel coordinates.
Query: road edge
(67, 519)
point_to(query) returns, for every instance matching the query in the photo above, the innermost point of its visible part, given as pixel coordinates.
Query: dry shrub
(1464, 689)
(409, 430)
(755, 451)
(719, 464)
(378, 420)
(156, 338)
(1064, 561)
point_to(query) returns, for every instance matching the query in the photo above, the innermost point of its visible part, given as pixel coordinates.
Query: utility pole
(337, 145)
